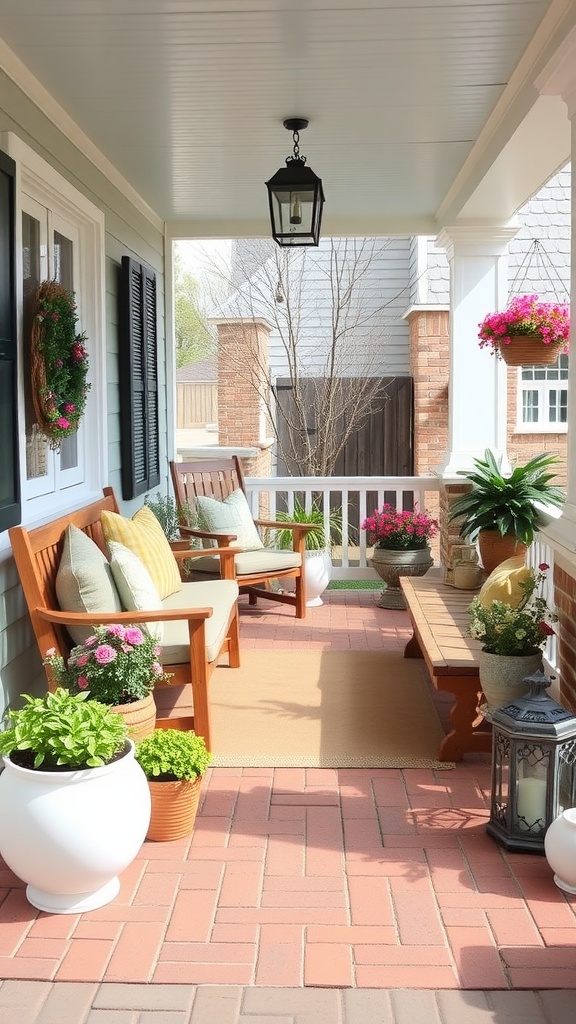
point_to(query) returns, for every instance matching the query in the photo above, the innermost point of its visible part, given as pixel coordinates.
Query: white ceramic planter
(318, 568)
(560, 849)
(69, 834)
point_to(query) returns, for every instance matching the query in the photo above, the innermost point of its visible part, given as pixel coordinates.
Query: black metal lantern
(533, 778)
(296, 197)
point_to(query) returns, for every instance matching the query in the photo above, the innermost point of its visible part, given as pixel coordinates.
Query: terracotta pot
(502, 676)
(174, 807)
(391, 565)
(529, 350)
(140, 717)
(495, 548)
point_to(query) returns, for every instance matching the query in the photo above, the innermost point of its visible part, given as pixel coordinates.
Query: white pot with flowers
(401, 548)
(118, 665)
(513, 633)
(528, 332)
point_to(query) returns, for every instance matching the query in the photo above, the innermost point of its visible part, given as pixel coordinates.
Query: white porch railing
(354, 497)
(540, 553)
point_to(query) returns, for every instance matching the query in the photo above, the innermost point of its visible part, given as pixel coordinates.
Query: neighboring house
(404, 291)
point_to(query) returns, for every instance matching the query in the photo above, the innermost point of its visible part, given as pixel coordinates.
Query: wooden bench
(439, 616)
(37, 555)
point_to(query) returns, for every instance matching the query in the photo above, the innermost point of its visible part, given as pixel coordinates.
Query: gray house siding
(127, 232)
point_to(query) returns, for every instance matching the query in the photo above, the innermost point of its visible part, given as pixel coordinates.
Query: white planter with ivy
(68, 832)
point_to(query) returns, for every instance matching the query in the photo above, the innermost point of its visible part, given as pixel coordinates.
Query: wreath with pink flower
(59, 363)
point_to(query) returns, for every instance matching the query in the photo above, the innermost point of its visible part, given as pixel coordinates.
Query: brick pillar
(565, 600)
(429, 366)
(242, 381)
(449, 531)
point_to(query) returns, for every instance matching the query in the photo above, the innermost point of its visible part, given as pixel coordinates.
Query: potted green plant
(512, 634)
(169, 514)
(527, 332)
(118, 665)
(317, 544)
(503, 512)
(401, 547)
(174, 762)
(74, 803)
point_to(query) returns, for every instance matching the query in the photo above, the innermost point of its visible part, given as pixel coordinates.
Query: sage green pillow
(84, 581)
(136, 588)
(232, 515)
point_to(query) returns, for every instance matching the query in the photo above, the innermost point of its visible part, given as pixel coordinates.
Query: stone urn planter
(503, 676)
(391, 565)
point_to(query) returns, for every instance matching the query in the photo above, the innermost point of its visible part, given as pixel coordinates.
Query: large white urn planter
(318, 570)
(69, 834)
(560, 850)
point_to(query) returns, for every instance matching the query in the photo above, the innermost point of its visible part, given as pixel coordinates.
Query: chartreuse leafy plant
(508, 504)
(316, 539)
(62, 730)
(172, 754)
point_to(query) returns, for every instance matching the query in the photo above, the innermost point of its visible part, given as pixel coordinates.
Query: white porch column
(559, 79)
(478, 258)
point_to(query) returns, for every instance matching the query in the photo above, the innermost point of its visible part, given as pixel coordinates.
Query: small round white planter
(560, 849)
(318, 569)
(69, 834)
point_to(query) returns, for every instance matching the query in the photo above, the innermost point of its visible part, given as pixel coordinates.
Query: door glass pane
(37, 448)
(64, 274)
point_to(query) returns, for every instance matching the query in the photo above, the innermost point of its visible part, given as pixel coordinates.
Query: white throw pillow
(232, 514)
(84, 581)
(136, 588)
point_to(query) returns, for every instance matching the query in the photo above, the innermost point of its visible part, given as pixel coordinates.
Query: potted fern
(74, 804)
(504, 512)
(318, 546)
(174, 762)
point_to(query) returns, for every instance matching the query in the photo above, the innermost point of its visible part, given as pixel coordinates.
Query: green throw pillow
(232, 515)
(84, 581)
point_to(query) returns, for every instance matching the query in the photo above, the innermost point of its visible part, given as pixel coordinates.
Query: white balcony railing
(355, 497)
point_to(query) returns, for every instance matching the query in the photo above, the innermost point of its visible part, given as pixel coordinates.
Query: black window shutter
(9, 464)
(138, 379)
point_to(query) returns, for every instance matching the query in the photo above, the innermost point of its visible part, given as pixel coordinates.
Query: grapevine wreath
(59, 363)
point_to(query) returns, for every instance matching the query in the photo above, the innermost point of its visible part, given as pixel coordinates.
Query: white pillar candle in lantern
(531, 802)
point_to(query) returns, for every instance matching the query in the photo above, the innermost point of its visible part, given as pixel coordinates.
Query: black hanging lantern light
(533, 767)
(295, 195)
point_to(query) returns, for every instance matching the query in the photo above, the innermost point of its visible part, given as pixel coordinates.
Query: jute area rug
(316, 709)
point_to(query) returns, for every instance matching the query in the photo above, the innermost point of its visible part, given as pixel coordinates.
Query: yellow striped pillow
(145, 537)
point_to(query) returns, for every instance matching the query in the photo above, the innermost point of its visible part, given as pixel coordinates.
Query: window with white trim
(59, 236)
(543, 397)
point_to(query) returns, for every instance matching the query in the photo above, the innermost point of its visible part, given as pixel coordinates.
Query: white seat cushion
(217, 594)
(265, 560)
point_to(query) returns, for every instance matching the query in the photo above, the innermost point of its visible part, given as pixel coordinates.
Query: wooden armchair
(253, 570)
(37, 555)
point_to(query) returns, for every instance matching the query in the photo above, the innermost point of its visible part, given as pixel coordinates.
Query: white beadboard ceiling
(410, 101)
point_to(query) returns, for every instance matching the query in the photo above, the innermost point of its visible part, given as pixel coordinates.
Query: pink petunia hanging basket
(528, 332)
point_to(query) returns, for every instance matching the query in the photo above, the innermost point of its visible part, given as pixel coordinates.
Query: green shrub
(169, 754)
(315, 539)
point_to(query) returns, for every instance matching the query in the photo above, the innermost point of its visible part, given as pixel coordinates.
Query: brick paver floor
(358, 881)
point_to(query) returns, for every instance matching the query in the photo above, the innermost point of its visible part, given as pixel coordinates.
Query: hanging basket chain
(537, 257)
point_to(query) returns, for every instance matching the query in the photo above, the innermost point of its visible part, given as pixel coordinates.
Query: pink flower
(82, 683)
(157, 668)
(55, 317)
(82, 660)
(91, 641)
(69, 407)
(116, 629)
(543, 566)
(63, 423)
(58, 364)
(104, 654)
(134, 636)
(52, 651)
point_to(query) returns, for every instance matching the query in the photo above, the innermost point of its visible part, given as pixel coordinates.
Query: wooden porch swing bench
(37, 554)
